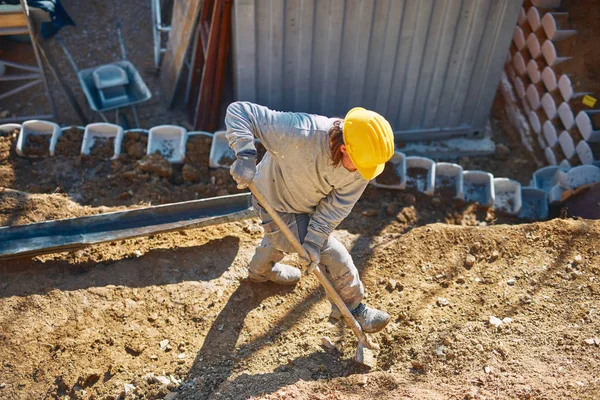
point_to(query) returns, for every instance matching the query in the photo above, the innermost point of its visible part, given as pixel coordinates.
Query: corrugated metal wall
(431, 67)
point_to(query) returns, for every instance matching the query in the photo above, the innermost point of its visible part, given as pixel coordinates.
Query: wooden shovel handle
(329, 289)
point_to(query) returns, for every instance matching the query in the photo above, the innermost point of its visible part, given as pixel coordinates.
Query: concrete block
(507, 195)
(566, 144)
(479, 187)
(549, 106)
(221, 155)
(519, 64)
(579, 176)
(546, 3)
(533, 45)
(533, 97)
(533, 72)
(100, 132)
(519, 38)
(534, 204)
(535, 122)
(522, 17)
(584, 152)
(420, 174)
(566, 116)
(533, 17)
(549, 79)
(556, 26)
(36, 127)
(565, 87)
(510, 73)
(519, 87)
(398, 161)
(550, 133)
(449, 176)
(555, 194)
(550, 54)
(543, 178)
(588, 123)
(169, 141)
(550, 157)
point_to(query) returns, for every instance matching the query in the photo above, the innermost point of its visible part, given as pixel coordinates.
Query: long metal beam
(74, 233)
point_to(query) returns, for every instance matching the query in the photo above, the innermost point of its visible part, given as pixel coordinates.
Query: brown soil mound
(173, 313)
(69, 143)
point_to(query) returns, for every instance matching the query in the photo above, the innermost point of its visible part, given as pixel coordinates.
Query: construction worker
(314, 171)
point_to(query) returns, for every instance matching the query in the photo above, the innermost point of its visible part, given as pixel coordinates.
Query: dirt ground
(91, 323)
(483, 306)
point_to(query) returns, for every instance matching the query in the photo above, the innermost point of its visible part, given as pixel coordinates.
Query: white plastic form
(587, 129)
(534, 204)
(550, 54)
(555, 26)
(550, 134)
(399, 161)
(449, 175)
(479, 187)
(102, 131)
(549, 79)
(566, 144)
(169, 141)
(584, 152)
(579, 176)
(426, 184)
(37, 127)
(507, 196)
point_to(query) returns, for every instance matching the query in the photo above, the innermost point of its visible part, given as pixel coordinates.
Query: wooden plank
(13, 20)
(185, 14)
(224, 44)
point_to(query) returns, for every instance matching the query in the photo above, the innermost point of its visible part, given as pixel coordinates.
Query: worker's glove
(244, 169)
(314, 253)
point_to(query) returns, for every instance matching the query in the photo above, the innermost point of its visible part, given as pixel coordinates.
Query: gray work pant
(336, 262)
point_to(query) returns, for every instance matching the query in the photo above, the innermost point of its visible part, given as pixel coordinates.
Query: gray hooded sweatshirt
(296, 175)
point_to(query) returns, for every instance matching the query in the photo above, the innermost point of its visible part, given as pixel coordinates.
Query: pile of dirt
(69, 143)
(36, 145)
(477, 312)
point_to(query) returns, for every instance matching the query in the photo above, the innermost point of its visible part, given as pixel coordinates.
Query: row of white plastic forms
(531, 202)
(547, 91)
(169, 140)
(503, 194)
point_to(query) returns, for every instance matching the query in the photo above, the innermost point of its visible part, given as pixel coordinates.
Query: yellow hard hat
(369, 141)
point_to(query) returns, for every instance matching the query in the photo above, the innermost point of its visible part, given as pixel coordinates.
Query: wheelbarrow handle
(329, 289)
(121, 42)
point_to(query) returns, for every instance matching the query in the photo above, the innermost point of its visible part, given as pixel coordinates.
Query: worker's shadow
(223, 352)
(154, 268)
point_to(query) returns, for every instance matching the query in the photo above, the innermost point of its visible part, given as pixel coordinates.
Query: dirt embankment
(173, 315)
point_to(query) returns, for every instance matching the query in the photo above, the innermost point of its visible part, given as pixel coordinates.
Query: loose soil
(69, 143)
(36, 145)
(389, 176)
(103, 147)
(174, 315)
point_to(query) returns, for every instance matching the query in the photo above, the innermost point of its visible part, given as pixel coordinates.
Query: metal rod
(19, 89)
(121, 42)
(20, 66)
(103, 116)
(20, 77)
(67, 53)
(135, 116)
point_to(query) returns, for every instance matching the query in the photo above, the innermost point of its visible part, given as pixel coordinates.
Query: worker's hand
(314, 252)
(243, 170)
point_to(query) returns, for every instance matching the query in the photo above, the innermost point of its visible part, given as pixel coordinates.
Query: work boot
(281, 274)
(371, 320)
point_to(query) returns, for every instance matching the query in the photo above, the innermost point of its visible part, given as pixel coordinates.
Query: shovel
(364, 342)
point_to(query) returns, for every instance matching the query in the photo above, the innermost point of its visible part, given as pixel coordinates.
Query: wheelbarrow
(112, 86)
